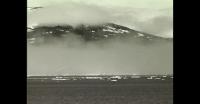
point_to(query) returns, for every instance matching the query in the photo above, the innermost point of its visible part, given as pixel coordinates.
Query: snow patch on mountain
(114, 30)
(140, 34)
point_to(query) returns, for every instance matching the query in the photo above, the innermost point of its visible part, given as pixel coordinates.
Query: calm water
(95, 91)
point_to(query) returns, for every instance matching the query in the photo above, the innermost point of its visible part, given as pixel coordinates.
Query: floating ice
(116, 77)
(150, 78)
(135, 76)
(157, 78)
(113, 80)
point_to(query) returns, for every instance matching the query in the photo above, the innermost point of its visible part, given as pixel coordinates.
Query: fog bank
(74, 56)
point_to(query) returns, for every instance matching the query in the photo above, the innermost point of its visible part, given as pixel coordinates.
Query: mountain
(44, 34)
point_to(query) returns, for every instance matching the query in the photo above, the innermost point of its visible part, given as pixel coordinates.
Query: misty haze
(74, 56)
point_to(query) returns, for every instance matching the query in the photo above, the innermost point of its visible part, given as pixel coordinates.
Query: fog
(75, 56)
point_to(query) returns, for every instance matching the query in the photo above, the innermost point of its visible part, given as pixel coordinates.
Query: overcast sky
(151, 16)
(152, 4)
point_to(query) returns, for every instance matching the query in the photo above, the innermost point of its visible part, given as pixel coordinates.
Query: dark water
(127, 91)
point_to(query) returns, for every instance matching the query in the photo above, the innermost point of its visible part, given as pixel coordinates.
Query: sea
(100, 89)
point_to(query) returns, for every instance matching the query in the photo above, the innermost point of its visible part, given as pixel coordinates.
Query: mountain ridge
(87, 32)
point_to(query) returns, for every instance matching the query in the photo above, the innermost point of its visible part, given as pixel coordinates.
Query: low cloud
(75, 56)
(71, 13)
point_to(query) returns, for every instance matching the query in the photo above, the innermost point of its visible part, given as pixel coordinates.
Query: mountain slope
(42, 34)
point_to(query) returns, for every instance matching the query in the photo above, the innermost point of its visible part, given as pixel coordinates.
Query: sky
(152, 4)
(150, 16)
